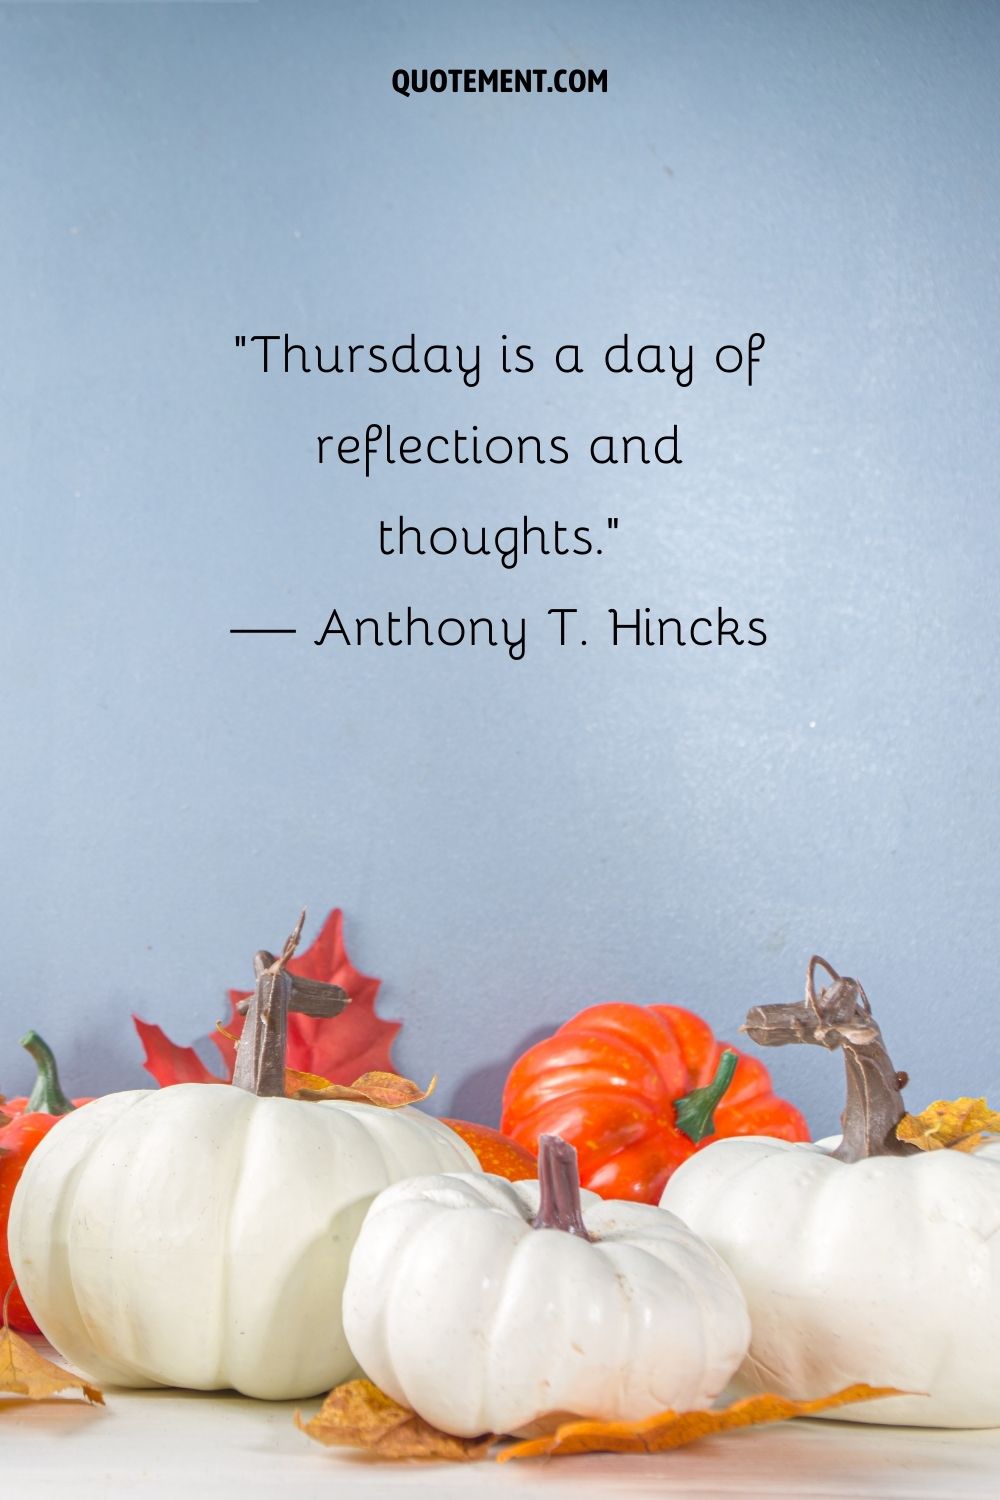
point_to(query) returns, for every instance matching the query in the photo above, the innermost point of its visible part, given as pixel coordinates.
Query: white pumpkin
(860, 1258)
(885, 1270)
(199, 1235)
(456, 1306)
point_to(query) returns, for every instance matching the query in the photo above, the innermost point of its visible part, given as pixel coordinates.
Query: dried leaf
(25, 1372)
(386, 1090)
(338, 1048)
(295, 1082)
(359, 1415)
(976, 1142)
(676, 1429)
(962, 1124)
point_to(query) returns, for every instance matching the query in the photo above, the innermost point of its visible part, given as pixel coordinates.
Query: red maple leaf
(167, 1062)
(339, 1048)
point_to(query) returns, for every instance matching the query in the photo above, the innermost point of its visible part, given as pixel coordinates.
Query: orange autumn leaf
(672, 1429)
(359, 1415)
(25, 1372)
(386, 1090)
(295, 1082)
(961, 1124)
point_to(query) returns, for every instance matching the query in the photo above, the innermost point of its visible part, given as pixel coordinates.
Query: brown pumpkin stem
(260, 1053)
(559, 1205)
(840, 1016)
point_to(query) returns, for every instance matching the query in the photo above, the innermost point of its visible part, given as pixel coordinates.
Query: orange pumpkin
(611, 1080)
(497, 1153)
(23, 1123)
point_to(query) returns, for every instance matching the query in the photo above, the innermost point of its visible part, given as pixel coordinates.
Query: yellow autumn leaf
(359, 1415)
(25, 1372)
(672, 1429)
(962, 1124)
(976, 1142)
(386, 1090)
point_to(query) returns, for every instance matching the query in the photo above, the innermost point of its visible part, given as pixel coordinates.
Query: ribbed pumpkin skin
(199, 1236)
(607, 1082)
(458, 1308)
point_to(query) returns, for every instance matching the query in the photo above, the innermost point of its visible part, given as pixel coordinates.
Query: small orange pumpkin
(614, 1082)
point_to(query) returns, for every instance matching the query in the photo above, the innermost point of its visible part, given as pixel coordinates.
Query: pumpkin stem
(839, 1015)
(47, 1097)
(260, 1052)
(559, 1205)
(693, 1113)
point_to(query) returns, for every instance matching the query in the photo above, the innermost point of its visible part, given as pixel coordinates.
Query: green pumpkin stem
(47, 1097)
(694, 1113)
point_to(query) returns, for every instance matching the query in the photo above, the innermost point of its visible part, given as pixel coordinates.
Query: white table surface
(183, 1444)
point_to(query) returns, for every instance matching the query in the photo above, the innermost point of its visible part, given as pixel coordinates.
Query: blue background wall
(510, 840)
